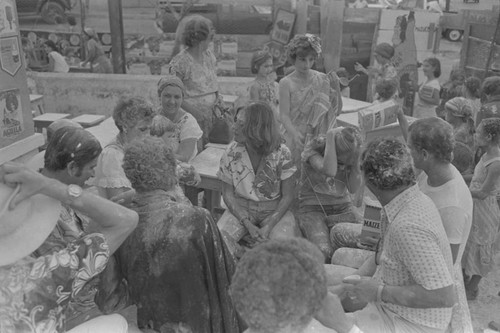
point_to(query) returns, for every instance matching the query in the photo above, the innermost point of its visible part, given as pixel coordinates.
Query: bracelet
(379, 292)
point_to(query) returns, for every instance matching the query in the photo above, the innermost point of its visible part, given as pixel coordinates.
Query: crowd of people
(114, 232)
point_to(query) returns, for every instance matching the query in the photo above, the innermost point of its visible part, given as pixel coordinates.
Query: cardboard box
(378, 115)
(371, 224)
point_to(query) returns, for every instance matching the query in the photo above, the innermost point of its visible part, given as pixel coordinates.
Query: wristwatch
(74, 191)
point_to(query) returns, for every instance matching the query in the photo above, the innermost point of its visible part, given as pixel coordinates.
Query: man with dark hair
(431, 144)
(70, 158)
(414, 291)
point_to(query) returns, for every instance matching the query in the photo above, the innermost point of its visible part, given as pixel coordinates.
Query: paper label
(12, 116)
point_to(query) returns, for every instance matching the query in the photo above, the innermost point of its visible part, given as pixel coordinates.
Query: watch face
(74, 190)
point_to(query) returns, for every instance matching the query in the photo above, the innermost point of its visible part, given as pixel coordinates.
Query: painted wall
(78, 93)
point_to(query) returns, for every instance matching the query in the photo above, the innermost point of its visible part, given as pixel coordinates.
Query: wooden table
(105, 132)
(43, 121)
(89, 120)
(207, 165)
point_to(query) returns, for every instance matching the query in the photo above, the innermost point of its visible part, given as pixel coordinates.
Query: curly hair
(149, 165)
(386, 88)
(258, 58)
(436, 64)
(387, 164)
(196, 30)
(491, 86)
(261, 127)
(491, 126)
(435, 135)
(129, 111)
(302, 46)
(71, 144)
(278, 284)
(161, 125)
(473, 86)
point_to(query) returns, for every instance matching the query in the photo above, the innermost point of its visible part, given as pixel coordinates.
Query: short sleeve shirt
(264, 185)
(36, 292)
(188, 128)
(454, 203)
(416, 251)
(109, 171)
(198, 78)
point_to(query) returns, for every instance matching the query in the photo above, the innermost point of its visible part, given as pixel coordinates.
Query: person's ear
(425, 154)
(72, 169)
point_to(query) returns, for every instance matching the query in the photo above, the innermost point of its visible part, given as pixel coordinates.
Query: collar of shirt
(392, 209)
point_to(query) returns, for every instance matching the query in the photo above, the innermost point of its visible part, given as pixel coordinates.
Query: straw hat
(25, 228)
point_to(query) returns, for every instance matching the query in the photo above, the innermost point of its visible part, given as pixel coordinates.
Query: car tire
(454, 35)
(52, 12)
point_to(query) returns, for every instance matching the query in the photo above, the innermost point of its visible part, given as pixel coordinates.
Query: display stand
(17, 138)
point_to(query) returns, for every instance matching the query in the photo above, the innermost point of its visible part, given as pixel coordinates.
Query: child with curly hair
(471, 90)
(477, 260)
(305, 96)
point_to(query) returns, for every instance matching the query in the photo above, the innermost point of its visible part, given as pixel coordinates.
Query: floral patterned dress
(200, 80)
(263, 184)
(36, 292)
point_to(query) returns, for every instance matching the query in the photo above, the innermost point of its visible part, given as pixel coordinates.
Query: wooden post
(117, 41)
(492, 47)
(332, 42)
(301, 21)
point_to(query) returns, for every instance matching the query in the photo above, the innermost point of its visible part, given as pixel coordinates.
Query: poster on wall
(10, 56)
(12, 116)
(283, 26)
(8, 22)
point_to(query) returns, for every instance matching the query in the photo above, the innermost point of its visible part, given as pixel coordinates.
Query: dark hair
(71, 144)
(387, 164)
(261, 128)
(463, 158)
(473, 86)
(196, 30)
(52, 45)
(491, 86)
(302, 46)
(129, 111)
(258, 58)
(491, 126)
(386, 88)
(435, 135)
(279, 283)
(436, 64)
(149, 164)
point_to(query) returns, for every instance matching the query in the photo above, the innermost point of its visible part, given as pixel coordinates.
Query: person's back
(60, 64)
(453, 201)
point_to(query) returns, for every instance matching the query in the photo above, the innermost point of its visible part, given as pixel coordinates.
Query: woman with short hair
(196, 66)
(177, 273)
(172, 92)
(133, 117)
(258, 179)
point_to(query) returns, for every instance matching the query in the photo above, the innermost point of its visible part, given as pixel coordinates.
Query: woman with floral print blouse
(258, 178)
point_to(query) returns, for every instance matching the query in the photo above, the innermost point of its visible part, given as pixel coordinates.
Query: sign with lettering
(12, 117)
(283, 26)
(10, 54)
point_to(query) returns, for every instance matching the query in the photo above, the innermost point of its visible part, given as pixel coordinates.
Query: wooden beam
(301, 21)
(332, 45)
(117, 39)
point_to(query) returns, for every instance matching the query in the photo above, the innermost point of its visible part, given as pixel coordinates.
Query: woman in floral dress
(257, 173)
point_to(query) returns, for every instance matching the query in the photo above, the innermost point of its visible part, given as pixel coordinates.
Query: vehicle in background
(227, 19)
(51, 11)
(452, 25)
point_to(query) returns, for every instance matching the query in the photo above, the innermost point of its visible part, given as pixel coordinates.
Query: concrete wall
(78, 93)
